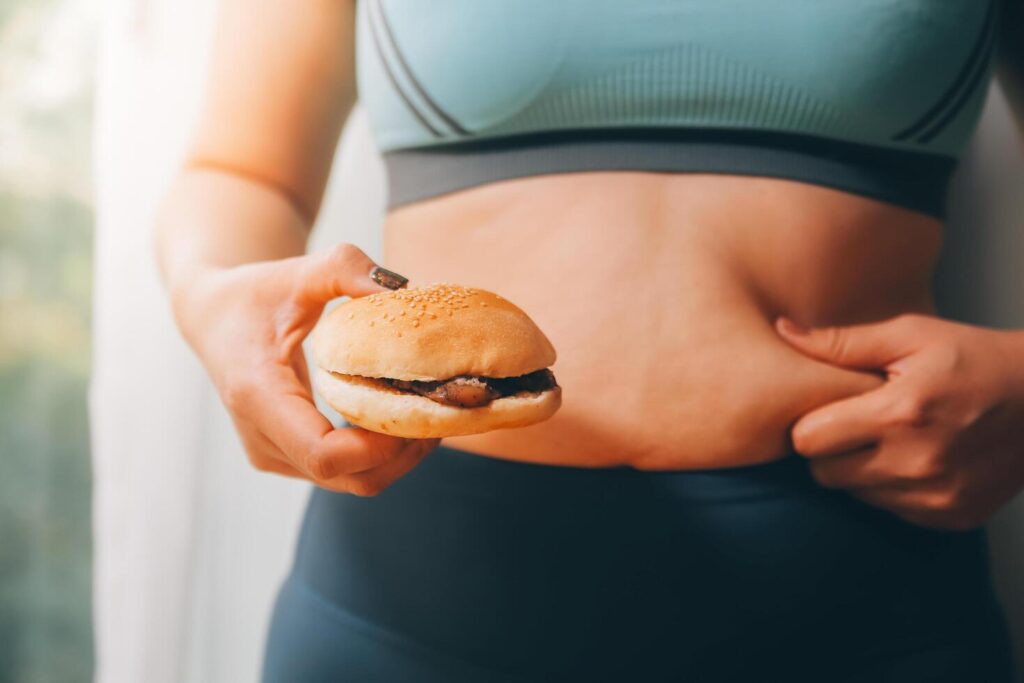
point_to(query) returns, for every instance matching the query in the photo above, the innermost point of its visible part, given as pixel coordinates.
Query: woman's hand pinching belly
(941, 442)
(247, 324)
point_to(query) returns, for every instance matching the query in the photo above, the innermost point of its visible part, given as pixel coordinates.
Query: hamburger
(435, 361)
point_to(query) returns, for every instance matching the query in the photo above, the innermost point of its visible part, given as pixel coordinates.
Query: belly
(659, 293)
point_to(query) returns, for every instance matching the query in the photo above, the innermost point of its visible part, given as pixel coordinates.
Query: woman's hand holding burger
(941, 442)
(247, 324)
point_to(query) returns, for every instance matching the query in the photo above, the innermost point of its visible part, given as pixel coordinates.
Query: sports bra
(874, 97)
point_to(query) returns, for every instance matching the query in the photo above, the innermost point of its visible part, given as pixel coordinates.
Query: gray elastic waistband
(909, 179)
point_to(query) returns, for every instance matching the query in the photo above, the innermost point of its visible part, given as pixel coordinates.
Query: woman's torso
(659, 293)
(659, 290)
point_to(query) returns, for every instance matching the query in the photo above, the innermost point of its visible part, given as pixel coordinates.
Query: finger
(897, 462)
(372, 482)
(301, 368)
(286, 415)
(276, 466)
(844, 425)
(264, 456)
(933, 496)
(341, 271)
(866, 346)
(849, 470)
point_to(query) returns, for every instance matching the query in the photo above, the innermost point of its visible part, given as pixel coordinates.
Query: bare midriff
(660, 291)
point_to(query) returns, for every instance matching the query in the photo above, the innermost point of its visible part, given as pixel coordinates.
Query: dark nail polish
(388, 278)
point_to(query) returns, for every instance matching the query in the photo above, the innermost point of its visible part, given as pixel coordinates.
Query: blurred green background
(46, 81)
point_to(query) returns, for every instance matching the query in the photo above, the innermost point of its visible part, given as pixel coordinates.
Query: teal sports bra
(873, 97)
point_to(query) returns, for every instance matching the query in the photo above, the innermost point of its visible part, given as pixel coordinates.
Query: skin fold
(663, 293)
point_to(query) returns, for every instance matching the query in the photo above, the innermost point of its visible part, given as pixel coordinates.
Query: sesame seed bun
(431, 333)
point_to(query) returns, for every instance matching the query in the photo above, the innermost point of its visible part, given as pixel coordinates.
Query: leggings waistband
(787, 476)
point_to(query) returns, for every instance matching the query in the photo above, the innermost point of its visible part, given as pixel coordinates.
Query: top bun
(430, 333)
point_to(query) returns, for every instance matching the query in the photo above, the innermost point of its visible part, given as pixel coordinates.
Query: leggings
(478, 569)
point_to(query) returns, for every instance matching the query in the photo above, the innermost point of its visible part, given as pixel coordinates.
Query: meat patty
(466, 391)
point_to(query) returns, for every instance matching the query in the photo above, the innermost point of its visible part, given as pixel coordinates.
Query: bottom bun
(370, 405)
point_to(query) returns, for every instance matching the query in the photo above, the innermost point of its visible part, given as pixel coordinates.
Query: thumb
(345, 270)
(866, 346)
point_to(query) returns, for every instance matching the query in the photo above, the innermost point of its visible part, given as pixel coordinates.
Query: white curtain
(190, 543)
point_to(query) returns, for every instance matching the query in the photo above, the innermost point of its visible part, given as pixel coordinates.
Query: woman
(772, 458)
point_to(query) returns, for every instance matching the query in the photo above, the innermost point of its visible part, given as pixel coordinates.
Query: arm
(280, 86)
(234, 224)
(1010, 64)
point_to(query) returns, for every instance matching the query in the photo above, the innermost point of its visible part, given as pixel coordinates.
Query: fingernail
(388, 278)
(790, 327)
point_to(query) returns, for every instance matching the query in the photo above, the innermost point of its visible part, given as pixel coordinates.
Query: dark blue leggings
(477, 569)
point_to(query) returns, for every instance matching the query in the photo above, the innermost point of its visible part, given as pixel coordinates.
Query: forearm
(210, 220)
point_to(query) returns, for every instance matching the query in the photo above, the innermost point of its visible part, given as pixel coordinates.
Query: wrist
(1012, 359)
(189, 294)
